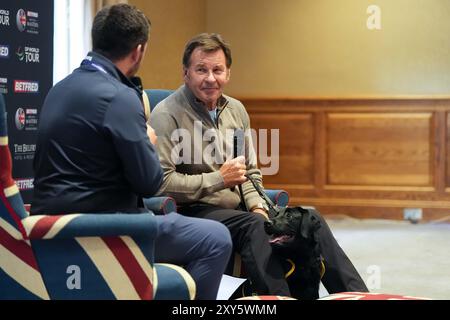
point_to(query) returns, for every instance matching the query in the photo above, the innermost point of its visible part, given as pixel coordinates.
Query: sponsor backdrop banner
(26, 71)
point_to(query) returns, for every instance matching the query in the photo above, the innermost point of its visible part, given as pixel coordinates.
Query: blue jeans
(203, 247)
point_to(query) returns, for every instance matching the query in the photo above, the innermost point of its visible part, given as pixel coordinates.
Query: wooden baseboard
(372, 209)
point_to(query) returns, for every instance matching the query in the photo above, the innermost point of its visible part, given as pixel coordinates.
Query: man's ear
(185, 73)
(137, 52)
(228, 74)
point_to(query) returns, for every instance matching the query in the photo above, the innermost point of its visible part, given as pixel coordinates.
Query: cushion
(368, 296)
(266, 298)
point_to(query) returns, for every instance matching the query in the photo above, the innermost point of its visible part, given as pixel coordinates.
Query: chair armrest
(90, 225)
(279, 197)
(172, 282)
(160, 205)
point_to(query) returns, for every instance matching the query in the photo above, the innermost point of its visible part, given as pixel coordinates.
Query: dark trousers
(262, 267)
(202, 246)
(340, 274)
(252, 243)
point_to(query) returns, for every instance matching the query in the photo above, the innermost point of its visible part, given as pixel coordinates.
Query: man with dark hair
(113, 40)
(204, 182)
(95, 152)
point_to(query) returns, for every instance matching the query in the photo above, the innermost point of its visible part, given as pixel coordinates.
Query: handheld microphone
(235, 142)
(238, 143)
(238, 149)
(237, 134)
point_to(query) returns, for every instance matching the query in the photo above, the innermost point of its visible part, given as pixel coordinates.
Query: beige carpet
(397, 257)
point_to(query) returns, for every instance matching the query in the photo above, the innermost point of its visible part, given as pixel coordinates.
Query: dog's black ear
(309, 224)
(305, 225)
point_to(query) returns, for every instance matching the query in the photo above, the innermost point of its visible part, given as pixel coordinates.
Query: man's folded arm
(183, 187)
(187, 188)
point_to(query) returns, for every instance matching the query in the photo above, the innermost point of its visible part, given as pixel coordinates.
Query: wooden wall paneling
(365, 157)
(296, 148)
(320, 152)
(439, 149)
(447, 152)
(379, 149)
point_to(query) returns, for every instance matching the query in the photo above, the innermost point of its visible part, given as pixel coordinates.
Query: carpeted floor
(397, 257)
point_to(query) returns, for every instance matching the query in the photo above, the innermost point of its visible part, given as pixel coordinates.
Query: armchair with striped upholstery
(80, 255)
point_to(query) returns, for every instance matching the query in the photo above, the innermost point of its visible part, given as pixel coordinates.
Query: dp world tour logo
(20, 53)
(28, 54)
(21, 20)
(20, 119)
(4, 17)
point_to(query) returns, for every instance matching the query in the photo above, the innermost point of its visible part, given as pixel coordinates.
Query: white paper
(228, 285)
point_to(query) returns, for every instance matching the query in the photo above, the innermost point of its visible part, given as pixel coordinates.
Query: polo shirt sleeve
(125, 122)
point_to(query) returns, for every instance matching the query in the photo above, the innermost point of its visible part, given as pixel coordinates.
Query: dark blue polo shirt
(93, 153)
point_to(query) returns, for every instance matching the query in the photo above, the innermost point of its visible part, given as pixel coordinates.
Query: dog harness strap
(291, 271)
(322, 268)
(261, 192)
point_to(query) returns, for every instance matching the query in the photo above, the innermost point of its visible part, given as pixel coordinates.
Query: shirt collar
(108, 66)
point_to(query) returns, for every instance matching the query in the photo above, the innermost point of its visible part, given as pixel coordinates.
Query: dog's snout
(268, 225)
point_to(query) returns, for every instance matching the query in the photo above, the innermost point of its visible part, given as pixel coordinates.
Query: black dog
(294, 237)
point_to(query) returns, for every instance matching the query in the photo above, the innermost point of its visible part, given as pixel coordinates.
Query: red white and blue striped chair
(79, 256)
